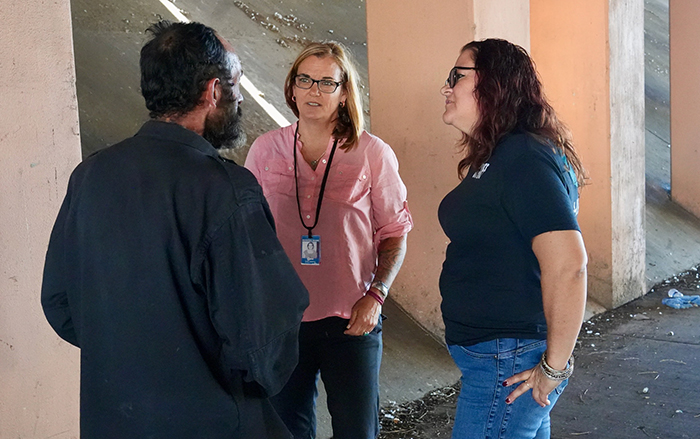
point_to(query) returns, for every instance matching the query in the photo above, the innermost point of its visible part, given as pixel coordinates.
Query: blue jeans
(482, 412)
(349, 368)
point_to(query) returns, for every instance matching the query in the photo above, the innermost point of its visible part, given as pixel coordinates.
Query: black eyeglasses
(454, 76)
(324, 85)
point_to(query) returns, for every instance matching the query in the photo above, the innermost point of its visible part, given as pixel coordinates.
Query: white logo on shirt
(481, 171)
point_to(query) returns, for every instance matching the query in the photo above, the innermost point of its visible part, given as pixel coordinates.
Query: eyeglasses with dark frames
(455, 76)
(325, 85)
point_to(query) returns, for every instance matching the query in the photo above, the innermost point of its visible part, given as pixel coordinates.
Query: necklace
(315, 162)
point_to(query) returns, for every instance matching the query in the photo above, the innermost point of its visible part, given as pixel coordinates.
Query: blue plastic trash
(678, 300)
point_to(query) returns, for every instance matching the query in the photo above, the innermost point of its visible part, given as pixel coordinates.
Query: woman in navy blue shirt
(513, 282)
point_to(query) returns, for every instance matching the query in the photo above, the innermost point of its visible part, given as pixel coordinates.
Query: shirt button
(364, 177)
(266, 168)
(323, 161)
(313, 178)
(290, 168)
(308, 196)
(308, 216)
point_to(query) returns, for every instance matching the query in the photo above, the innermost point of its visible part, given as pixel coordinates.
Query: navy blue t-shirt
(490, 281)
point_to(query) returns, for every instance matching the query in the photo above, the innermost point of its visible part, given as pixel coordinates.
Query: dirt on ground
(429, 417)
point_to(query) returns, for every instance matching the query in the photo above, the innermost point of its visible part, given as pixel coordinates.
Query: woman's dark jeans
(349, 368)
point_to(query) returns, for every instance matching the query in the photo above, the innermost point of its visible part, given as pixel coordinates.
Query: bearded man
(164, 268)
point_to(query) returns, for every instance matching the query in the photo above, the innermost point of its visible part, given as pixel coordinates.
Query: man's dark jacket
(165, 270)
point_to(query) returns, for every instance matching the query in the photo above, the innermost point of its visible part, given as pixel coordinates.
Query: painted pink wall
(684, 41)
(40, 145)
(411, 49)
(412, 45)
(578, 88)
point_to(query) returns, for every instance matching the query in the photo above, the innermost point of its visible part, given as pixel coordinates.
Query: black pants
(349, 368)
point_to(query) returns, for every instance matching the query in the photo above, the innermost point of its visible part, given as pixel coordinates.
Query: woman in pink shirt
(334, 188)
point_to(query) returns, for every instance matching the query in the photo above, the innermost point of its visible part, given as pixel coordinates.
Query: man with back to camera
(164, 268)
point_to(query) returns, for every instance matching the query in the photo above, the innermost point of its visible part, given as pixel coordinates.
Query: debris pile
(429, 417)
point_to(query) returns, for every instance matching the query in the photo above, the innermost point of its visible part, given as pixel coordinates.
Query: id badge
(310, 250)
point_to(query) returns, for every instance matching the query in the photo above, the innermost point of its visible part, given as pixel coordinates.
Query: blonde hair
(350, 122)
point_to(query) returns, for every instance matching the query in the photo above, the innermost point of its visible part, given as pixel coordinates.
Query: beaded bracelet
(555, 374)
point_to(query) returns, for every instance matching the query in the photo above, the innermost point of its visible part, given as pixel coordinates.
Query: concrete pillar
(591, 58)
(506, 19)
(412, 45)
(39, 144)
(684, 42)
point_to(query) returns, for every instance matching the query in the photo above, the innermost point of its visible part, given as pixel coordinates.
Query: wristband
(375, 296)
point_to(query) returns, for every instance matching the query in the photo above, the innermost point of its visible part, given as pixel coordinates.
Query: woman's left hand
(364, 317)
(533, 379)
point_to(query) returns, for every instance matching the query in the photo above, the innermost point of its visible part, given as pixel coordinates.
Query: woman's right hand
(364, 317)
(532, 379)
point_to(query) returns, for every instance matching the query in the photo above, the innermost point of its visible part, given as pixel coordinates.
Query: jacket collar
(175, 133)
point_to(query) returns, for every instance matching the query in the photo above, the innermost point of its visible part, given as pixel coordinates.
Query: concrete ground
(634, 375)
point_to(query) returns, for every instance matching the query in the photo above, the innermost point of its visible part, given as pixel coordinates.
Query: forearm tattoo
(391, 253)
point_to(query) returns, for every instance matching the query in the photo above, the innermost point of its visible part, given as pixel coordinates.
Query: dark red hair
(509, 96)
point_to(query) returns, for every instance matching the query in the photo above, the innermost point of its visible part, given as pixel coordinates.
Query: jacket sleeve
(256, 299)
(54, 297)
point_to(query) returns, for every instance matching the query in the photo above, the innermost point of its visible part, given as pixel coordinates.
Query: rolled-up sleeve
(390, 212)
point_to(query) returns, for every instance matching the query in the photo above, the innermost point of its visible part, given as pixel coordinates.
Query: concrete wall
(39, 144)
(506, 19)
(411, 49)
(412, 45)
(590, 56)
(685, 103)
(574, 73)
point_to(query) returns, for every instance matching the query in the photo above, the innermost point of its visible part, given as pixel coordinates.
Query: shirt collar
(173, 132)
(293, 128)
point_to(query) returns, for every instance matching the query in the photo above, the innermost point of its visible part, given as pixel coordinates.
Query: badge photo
(311, 250)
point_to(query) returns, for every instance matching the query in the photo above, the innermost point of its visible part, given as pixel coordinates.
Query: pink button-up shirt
(364, 202)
